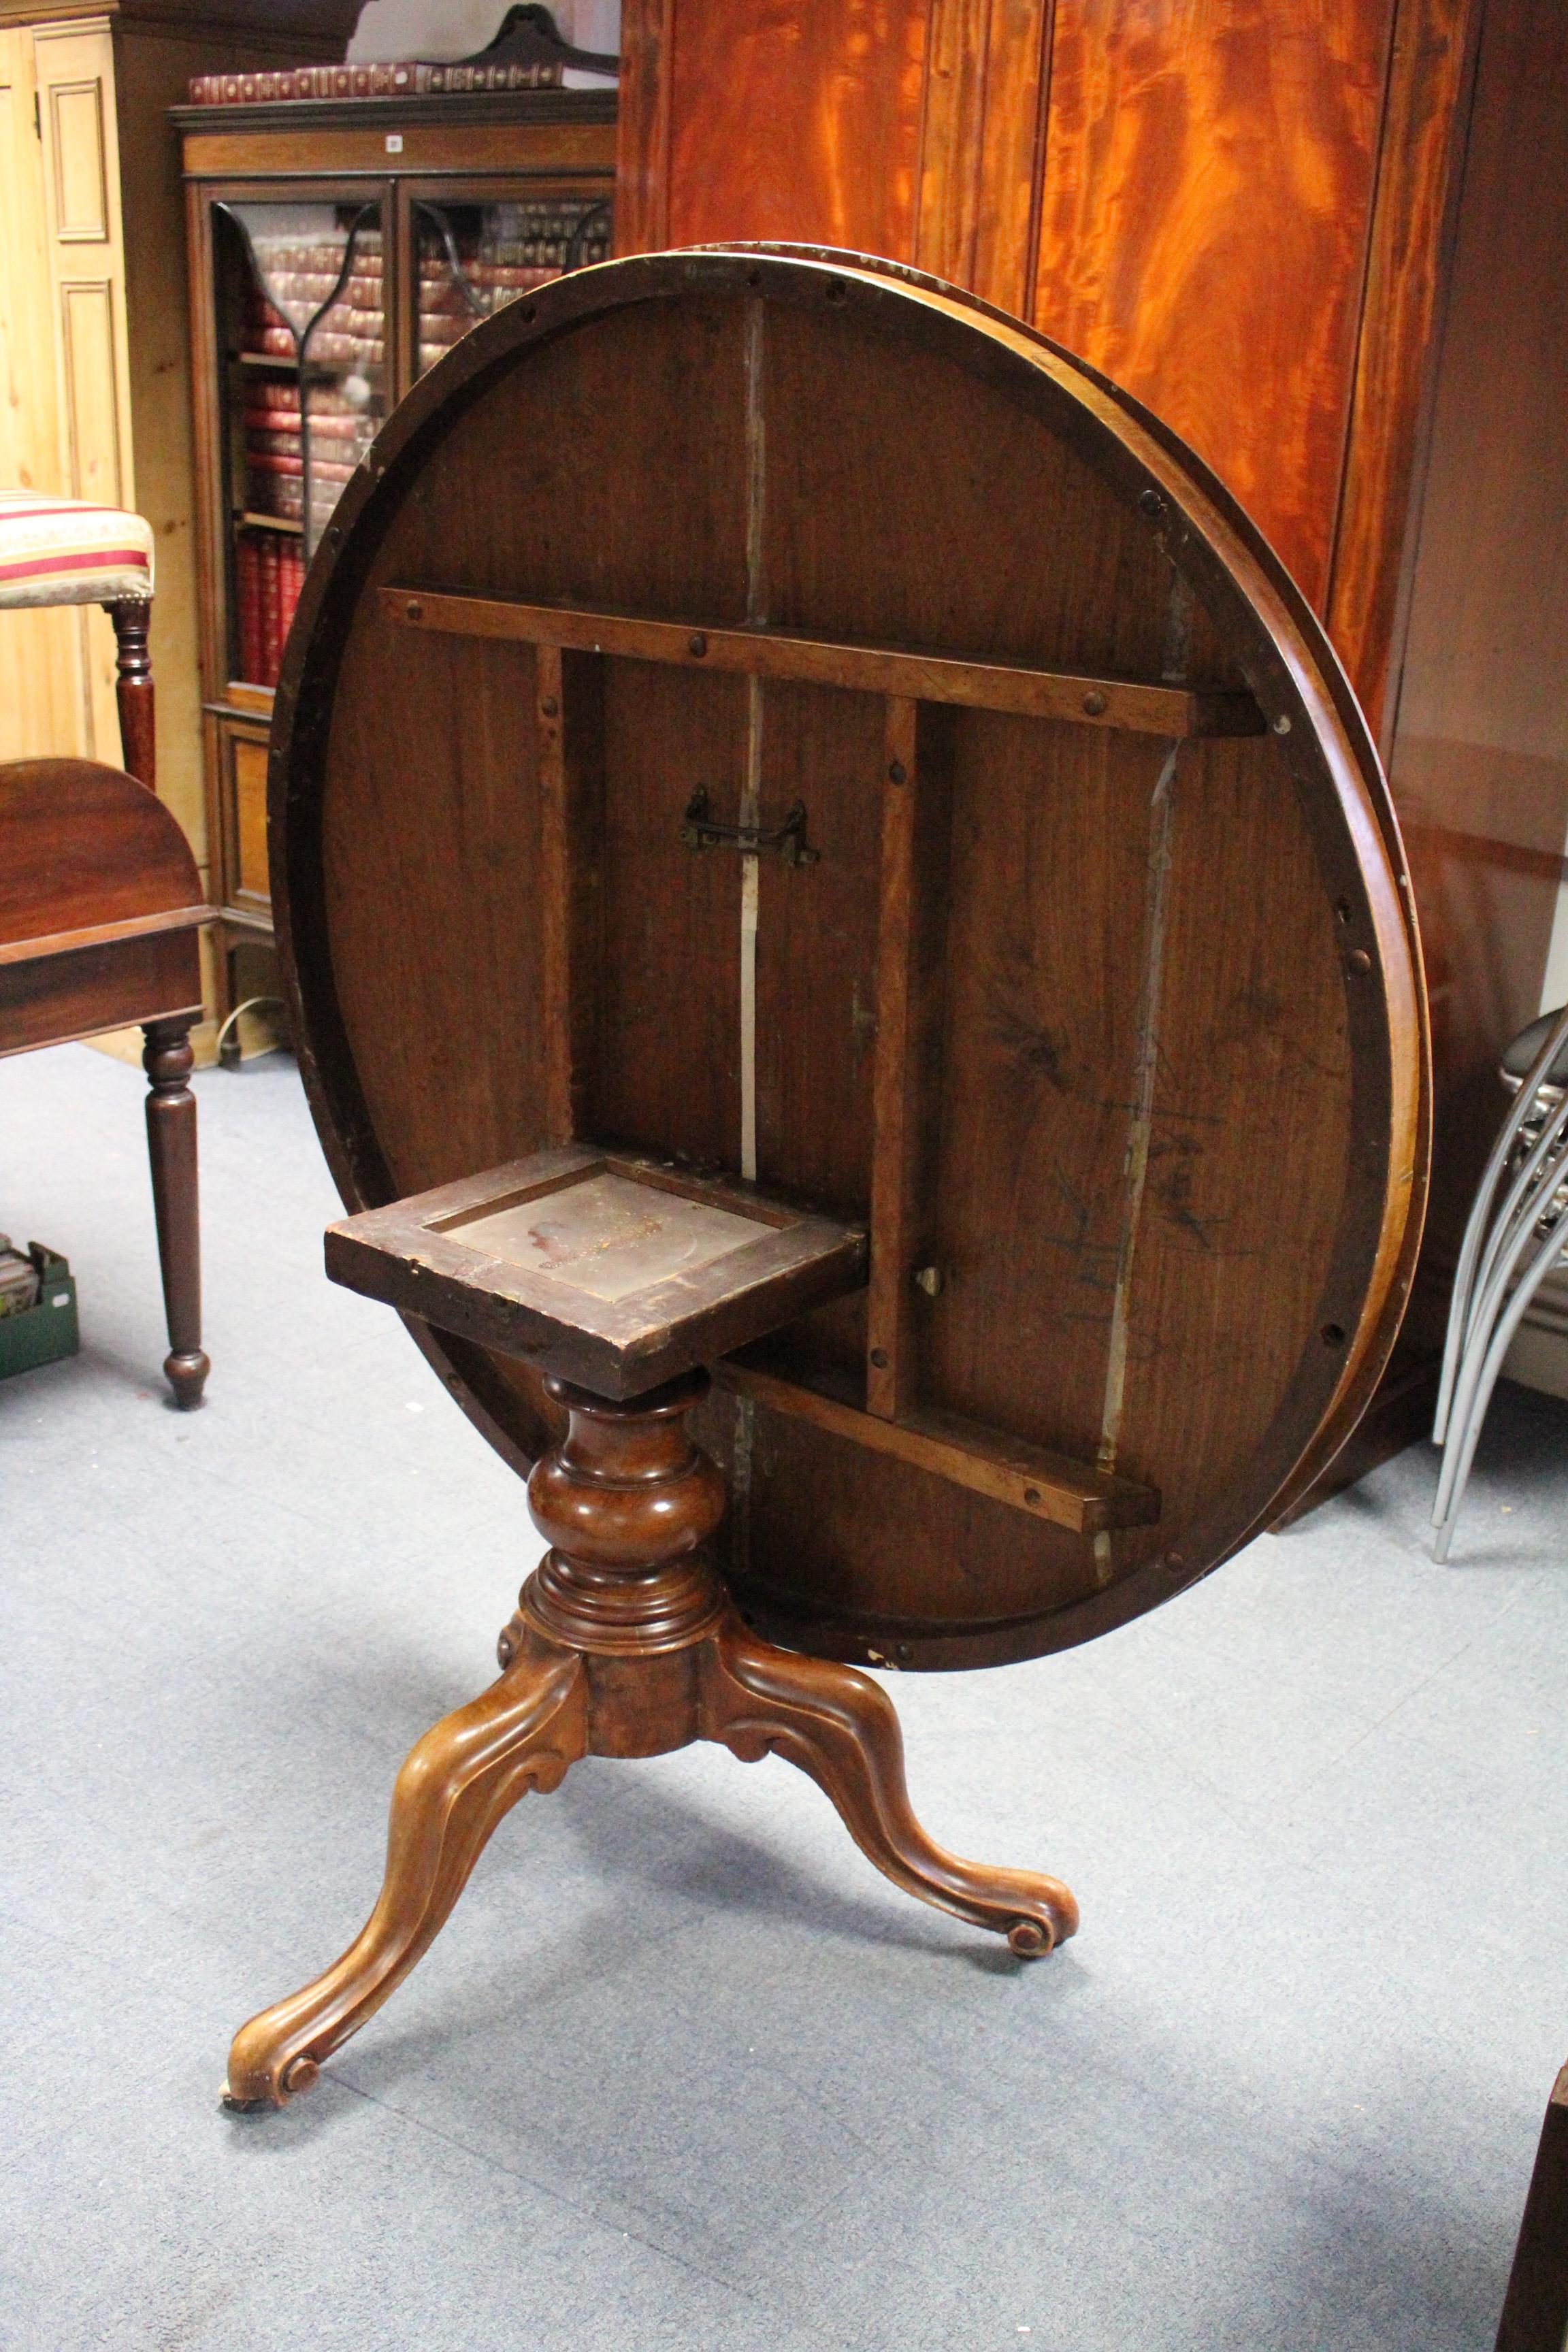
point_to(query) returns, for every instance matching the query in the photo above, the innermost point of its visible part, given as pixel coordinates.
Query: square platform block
(613, 1271)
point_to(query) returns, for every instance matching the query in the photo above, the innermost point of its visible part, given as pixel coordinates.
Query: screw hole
(530, 309)
(697, 644)
(1031, 1494)
(753, 277)
(1342, 910)
(1333, 1335)
(896, 772)
(879, 1357)
(836, 289)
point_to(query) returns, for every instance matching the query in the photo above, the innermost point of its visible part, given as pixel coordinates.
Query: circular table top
(760, 708)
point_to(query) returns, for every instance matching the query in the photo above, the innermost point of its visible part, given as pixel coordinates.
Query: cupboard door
(41, 706)
(84, 265)
(242, 752)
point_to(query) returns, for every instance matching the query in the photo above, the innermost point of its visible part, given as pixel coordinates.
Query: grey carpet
(682, 2070)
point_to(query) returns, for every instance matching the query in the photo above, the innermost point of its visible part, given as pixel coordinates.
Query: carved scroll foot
(457, 1784)
(840, 1728)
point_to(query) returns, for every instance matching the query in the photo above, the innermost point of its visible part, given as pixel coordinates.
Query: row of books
(446, 312)
(275, 419)
(410, 79)
(270, 571)
(296, 280)
(520, 245)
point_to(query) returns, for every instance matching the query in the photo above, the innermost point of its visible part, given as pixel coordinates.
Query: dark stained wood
(99, 904)
(84, 846)
(81, 992)
(1535, 2310)
(274, 31)
(1114, 702)
(226, 143)
(1400, 1414)
(1027, 1477)
(1409, 256)
(625, 1644)
(667, 1076)
(916, 817)
(569, 690)
(1175, 1123)
(432, 1255)
(816, 952)
(172, 1155)
(133, 689)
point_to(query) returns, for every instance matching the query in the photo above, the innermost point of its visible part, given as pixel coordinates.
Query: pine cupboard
(337, 249)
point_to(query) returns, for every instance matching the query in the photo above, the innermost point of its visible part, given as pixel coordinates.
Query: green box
(43, 1333)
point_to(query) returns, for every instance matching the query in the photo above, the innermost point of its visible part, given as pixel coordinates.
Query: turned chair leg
(171, 1153)
(841, 1726)
(134, 688)
(458, 1783)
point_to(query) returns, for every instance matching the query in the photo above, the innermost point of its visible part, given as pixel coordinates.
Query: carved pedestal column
(625, 1642)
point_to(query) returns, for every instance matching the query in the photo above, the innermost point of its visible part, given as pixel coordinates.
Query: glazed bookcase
(338, 250)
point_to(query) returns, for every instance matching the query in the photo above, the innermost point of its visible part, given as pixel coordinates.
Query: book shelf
(337, 249)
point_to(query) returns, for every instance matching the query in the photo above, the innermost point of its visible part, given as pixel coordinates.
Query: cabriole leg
(172, 1152)
(839, 1727)
(458, 1783)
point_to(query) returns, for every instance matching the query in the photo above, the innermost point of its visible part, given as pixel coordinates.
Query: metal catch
(700, 831)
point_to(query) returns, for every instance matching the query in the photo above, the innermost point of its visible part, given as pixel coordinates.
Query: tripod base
(612, 1652)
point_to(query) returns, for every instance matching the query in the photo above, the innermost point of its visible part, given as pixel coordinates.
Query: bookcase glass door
(300, 291)
(474, 258)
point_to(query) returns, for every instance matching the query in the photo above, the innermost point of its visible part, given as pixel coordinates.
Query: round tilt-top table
(855, 970)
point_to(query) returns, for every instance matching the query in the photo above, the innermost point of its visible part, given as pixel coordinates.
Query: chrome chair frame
(1510, 1248)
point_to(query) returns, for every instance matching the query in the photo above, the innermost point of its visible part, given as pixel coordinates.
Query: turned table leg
(171, 1153)
(134, 688)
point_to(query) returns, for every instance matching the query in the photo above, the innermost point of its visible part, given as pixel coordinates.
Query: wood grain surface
(1114, 1036)
(840, 84)
(1208, 186)
(86, 845)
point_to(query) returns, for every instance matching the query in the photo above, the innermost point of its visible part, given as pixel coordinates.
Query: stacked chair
(1515, 1237)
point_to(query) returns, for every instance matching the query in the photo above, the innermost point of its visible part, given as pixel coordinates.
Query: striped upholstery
(65, 552)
